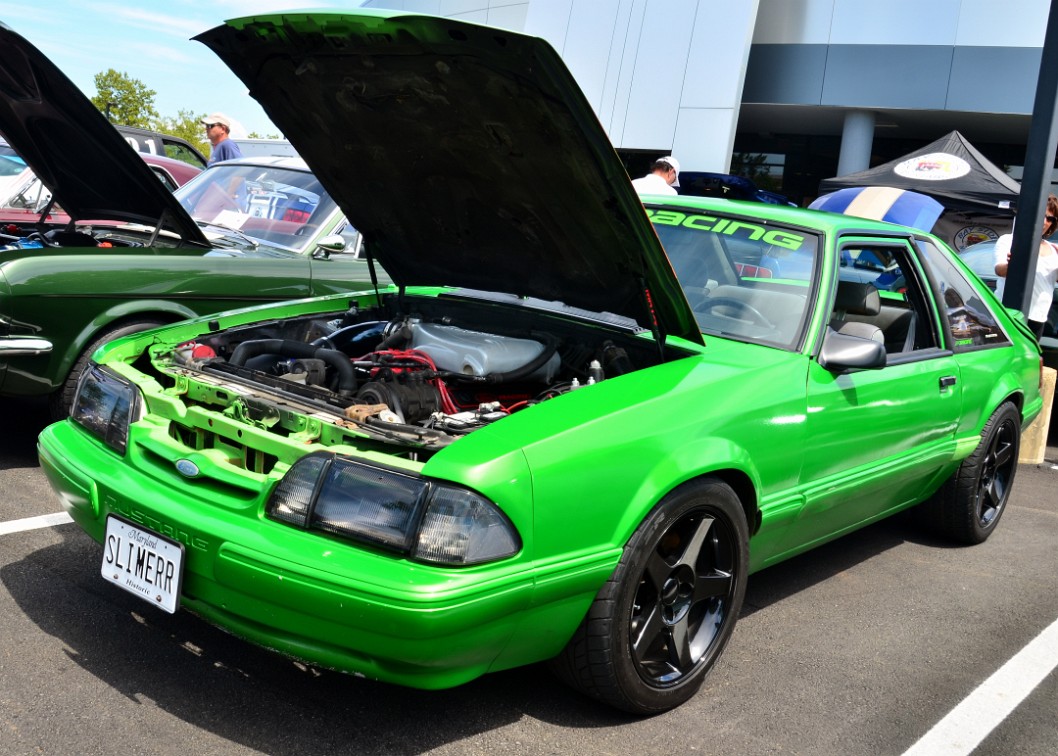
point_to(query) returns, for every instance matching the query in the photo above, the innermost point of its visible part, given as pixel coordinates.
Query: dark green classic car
(566, 433)
(134, 255)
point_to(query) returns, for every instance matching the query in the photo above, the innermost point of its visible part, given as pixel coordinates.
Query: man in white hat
(218, 127)
(663, 176)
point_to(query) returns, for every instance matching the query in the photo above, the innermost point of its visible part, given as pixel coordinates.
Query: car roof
(826, 222)
(272, 161)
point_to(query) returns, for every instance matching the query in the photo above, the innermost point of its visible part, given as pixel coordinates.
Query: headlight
(427, 520)
(105, 405)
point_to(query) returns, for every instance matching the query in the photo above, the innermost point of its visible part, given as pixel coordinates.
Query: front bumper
(315, 598)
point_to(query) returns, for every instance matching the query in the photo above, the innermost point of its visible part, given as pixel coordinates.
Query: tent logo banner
(970, 235)
(936, 166)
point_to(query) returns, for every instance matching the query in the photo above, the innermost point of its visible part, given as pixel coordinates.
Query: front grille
(204, 486)
(238, 454)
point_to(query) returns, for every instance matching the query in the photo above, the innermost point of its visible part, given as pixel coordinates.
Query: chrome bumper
(15, 346)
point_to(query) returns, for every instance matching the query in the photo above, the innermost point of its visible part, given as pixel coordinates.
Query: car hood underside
(467, 156)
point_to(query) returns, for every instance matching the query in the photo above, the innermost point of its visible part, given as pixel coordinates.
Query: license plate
(143, 562)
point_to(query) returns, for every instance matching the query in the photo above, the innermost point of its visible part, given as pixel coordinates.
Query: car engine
(419, 378)
(41, 236)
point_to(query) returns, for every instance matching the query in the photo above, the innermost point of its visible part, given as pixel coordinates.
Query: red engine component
(453, 398)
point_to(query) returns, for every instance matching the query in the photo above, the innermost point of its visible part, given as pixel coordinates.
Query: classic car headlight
(428, 520)
(105, 404)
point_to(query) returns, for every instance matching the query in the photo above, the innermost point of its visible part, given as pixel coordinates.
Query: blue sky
(150, 41)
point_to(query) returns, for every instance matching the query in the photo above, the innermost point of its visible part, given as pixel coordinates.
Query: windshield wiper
(242, 235)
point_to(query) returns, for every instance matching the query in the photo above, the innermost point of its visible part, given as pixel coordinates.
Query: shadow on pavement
(822, 563)
(254, 697)
(24, 419)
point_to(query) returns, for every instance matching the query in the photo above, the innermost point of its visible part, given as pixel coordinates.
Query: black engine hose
(352, 335)
(299, 350)
(340, 362)
(400, 335)
(282, 347)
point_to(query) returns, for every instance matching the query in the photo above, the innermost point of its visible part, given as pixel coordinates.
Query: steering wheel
(755, 315)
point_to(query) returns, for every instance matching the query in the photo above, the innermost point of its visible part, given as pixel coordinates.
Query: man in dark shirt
(218, 128)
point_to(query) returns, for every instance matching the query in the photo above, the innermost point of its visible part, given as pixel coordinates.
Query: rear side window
(970, 321)
(184, 153)
(163, 175)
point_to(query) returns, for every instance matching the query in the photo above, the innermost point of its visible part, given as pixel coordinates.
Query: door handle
(947, 381)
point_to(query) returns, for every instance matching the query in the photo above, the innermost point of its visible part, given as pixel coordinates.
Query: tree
(124, 100)
(128, 102)
(185, 125)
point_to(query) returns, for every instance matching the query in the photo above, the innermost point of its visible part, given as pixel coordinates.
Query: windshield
(11, 169)
(23, 191)
(10, 164)
(245, 205)
(743, 279)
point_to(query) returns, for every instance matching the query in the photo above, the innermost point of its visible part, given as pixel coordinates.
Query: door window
(879, 295)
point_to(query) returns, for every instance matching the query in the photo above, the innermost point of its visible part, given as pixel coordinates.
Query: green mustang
(574, 424)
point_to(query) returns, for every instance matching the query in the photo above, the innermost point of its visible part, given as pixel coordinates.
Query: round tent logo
(936, 166)
(969, 235)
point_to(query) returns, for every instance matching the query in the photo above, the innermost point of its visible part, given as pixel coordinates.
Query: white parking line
(959, 733)
(32, 523)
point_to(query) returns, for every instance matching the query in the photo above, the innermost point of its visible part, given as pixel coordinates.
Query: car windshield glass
(743, 279)
(244, 205)
(10, 164)
(25, 192)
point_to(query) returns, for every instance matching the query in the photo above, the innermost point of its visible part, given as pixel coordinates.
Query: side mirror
(329, 245)
(842, 352)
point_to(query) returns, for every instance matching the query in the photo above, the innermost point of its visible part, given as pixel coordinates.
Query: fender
(722, 457)
(157, 309)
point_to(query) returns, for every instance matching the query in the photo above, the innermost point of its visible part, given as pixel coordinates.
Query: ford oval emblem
(187, 468)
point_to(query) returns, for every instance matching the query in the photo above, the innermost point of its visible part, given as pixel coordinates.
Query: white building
(811, 88)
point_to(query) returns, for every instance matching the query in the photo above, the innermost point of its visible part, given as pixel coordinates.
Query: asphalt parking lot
(859, 647)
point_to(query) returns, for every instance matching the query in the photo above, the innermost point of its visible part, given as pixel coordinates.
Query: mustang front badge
(187, 468)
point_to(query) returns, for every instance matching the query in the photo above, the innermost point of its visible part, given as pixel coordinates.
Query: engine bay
(415, 372)
(40, 236)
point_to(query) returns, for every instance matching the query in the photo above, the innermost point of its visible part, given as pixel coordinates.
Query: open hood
(91, 171)
(467, 156)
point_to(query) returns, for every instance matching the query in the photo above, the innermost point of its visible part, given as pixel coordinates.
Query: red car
(23, 198)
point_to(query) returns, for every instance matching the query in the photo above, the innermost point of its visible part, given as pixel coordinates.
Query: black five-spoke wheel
(967, 507)
(662, 620)
(998, 465)
(685, 593)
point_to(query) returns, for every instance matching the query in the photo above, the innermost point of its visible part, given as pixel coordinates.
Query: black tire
(60, 402)
(661, 621)
(967, 507)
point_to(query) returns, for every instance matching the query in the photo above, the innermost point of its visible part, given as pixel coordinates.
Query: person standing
(1046, 276)
(663, 176)
(218, 131)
